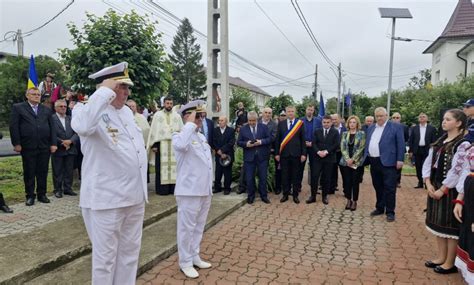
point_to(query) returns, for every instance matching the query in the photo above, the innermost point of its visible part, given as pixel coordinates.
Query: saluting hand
(109, 83)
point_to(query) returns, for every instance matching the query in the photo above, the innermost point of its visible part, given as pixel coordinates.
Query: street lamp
(393, 13)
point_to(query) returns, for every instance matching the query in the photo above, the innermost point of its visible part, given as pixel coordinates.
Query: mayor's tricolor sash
(290, 134)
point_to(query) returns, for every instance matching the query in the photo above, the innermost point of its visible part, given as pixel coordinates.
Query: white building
(453, 51)
(261, 97)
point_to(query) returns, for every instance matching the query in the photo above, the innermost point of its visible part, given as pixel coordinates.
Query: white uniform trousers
(192, 216)
(116, 236)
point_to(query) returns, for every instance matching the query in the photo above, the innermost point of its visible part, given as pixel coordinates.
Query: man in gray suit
(63, 158)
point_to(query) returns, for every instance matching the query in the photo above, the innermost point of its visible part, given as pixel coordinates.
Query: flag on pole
(348, 100)
(32, 77)
(322, 110)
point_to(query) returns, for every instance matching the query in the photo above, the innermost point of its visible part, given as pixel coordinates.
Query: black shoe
(70, 193)
(376, 212)
(265, 200)
(284, 199)
(241, 191)
(296, 200)
(277, 191)
(30, 202)
(390, 218)
(431, 264)
(419, 186)
(6, 209)
(311, 199)
(226, 192)
(43, 199)
(441, 270)
(216, 191)
(58, 194)
(325, 200)
(250, 201)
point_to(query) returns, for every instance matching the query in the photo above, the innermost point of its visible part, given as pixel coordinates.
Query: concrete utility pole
(339, 82)
(315, 94)
(20, 45)
(218, 58)
(343, 99)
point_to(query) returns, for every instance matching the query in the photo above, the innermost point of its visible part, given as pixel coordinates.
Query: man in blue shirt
(311, 124)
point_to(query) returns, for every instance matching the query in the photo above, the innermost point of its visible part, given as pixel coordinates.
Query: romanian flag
(32, 77)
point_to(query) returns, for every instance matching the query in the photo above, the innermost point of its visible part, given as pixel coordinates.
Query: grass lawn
(5, 131)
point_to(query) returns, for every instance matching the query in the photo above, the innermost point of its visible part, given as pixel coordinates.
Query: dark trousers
(165, 189)
(399, 176)
(420, 156)
(351, 182)
(35, 171)
(78, 162)
(242, 180)
(62, 172)
(335, 175)
(309, 156)
(384, 180)
(277, 177)
(321, 169)
(290, 173)
(2, 201)
(261, 167)
(222, 171)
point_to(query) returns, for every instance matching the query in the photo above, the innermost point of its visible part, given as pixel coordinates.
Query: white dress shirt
(374, 150)
(422, 135)
(62, 119)
(289, 122)
(222, 130)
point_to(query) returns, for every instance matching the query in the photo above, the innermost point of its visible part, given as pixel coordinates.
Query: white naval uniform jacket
(193, 162)
(115, 162)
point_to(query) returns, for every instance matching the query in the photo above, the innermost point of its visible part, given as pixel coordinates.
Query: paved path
(316, 244)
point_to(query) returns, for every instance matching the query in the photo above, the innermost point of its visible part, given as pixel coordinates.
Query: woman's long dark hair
(459, 116)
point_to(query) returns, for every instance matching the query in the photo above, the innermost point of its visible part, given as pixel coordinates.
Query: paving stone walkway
(316, 244)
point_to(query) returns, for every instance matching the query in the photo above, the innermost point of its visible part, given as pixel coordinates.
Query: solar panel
(395, 13)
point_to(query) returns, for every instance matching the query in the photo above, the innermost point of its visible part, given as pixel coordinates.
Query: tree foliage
(305, 102)
(108, 40)
(280, 102)
(189, 76)
(14, 79)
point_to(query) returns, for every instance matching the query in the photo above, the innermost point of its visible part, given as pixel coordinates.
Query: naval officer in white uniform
(193, 189)
(114, 186)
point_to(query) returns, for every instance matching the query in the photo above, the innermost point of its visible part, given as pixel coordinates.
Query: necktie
(325, 132)
(253, 132)
(291, 123)
(35, 109)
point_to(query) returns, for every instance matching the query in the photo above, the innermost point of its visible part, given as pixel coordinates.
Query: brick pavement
(316, 244)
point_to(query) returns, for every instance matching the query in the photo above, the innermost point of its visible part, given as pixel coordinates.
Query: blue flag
(348, 99)
(322, 109)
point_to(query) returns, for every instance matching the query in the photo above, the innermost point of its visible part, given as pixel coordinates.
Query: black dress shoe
(325, 200)
(6, 209)
(419, 186)
(241, 191)
(58, 194)
(250, 201)
(277, 192)
(216, 191)
(284, 199)
(226, 192)
(311, 199)
(431, 264)
(43, 199)
(296, 200)
(30, 202)
(70, 193)
(441, 270)
(390, 218)
(265, 200)
(376, 212)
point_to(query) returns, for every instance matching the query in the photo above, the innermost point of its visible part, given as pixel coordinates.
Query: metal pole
(392, 45)
(316, 84)
(339, 80)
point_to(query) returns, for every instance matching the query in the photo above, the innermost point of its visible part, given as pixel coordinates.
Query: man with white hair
(385, 149)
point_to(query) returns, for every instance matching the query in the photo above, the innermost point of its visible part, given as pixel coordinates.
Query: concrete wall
(446, 66)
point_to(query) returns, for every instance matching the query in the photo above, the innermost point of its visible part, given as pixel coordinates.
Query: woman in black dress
(442, 171)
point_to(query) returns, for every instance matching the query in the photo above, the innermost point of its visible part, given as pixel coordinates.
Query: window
(437, 76)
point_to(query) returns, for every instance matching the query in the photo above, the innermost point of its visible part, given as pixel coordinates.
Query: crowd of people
(192, 155)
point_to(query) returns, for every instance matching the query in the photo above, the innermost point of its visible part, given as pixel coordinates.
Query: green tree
(239, 94)
(331, 105)
(421, 80)
(280, 102)
(14, 79)
(108, 40)
(189, 76)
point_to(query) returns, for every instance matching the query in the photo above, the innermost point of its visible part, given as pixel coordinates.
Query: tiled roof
(237, 81)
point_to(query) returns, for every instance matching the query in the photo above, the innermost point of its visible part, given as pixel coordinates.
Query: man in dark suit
(397, 118)
(223, 141)
(290, 150)
(63, 159)
(385, 149)
(32, 135)
(324, 145)
(340, 128)
(422, 136)
(208, 129)
(255, 139)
